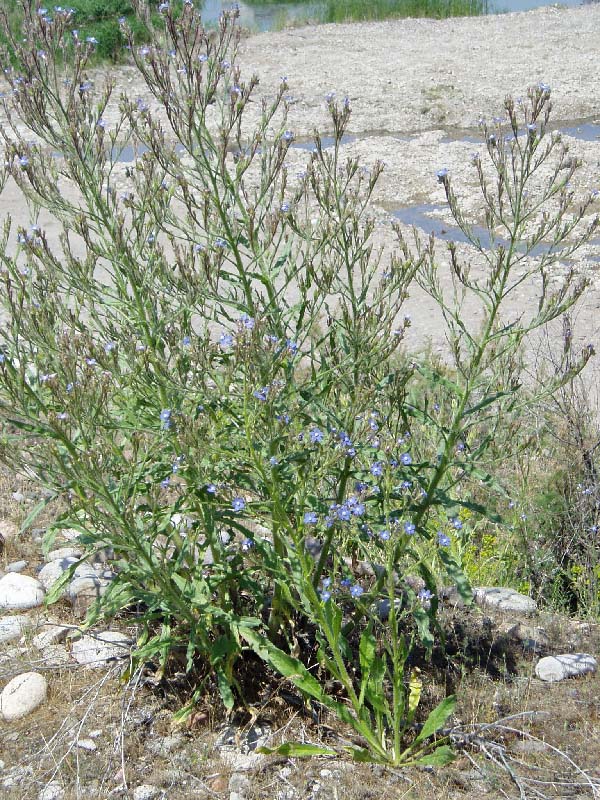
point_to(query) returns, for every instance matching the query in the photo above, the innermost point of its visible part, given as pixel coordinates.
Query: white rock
(20, 591)
(52, 791)
(504, 599)
(86, 744)
(22, 695)
(102, 649)
(145, 792)
(13, 627)
(8, 530)
(51, 572)
(569, 665)
(63, 552)
(51, 634)
(70, 534)
(16, 566)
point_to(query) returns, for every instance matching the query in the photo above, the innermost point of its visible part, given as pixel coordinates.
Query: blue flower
(291, 346)
(406, 459)
(409, 528)
(247, 544)
(443, 539)
(226, 341)
(424, 595)
(356, 591)
(186, 341)
(238, 504)
(325, 595)
(311, 518)
(442, 175)
(343, 513)
(456, 524)
(23, 161)
(326, 582)
(165, 482)
(377, 469)
(247, 322)
(288, 136)
(315, 436)
(91, 40)
(165, 416)
(274, 461)
(384, 535)
(221, 243)
(261, 394)
(346, 583)
(109, 347)
(211, 488)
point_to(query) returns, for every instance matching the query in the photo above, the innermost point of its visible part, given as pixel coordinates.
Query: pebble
(86, 744)
(20, 591)
(16, 566)
(14, 627)
(568, 665)
(51, 634)
(101, 650)
(145, 792)
(52, 791)
(51, 572)
(23, 695)
(63, 552)
(505, 599)
(8, 530)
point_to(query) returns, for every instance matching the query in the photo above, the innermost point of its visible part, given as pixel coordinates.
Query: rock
(382, 608)
(64, 552)
(505, 599)
(12, 627)
(22, 695)
(55, 655)
(101, 650)
(51, 572)
(145, 792)
(449, 595)
(8, 530)
(16, 566)
(528, 746)
(165, 746)
(239, 785)
(533, 640)
(52, 791)
(569, 665)
(20, 591)
(86, 744)
(70, 534)
(18, 497)
(85, 590)
(51, 634)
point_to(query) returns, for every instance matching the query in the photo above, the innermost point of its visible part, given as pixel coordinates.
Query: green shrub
(210, 371)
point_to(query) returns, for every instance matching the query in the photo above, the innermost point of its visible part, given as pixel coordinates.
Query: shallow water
(274, 15)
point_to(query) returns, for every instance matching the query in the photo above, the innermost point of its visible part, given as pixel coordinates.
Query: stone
(20, 591)
(85, 590)
(52, 791)
(51, 572)
(101, 650)
(13, 627)
(568, 665)
(55, 655)
(8, 530)
(64, 552)
(51, 634)
(533, 640)
(505, 599)
(86, 744)
(23, 695)
(145, 792)
(16, 566)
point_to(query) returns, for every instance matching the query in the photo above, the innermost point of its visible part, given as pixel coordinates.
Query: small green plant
(208, 368)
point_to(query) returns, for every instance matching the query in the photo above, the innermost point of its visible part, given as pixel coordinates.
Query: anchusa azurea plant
(207, 367)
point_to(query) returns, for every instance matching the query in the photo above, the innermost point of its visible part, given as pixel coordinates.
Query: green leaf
(297, 750)
(456, 575)
(439, 758)
(225, 689)
(437, 718)
(36, 511)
